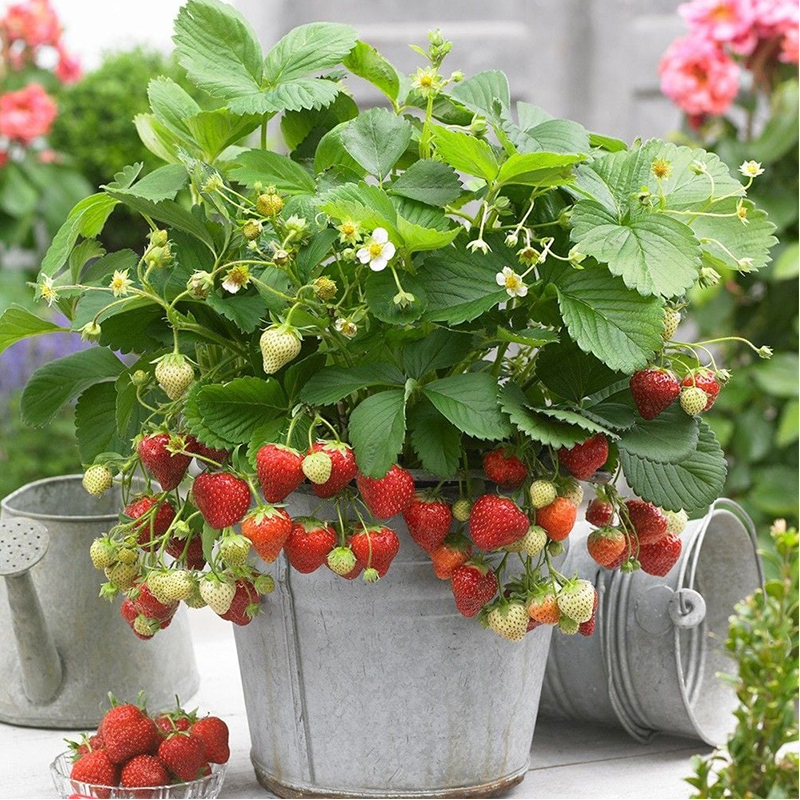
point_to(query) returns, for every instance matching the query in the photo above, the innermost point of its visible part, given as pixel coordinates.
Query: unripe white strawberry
(576, 600)
(102, 553)
(122, 575)
(264, 584)
(693, 400)
(174, 374)
(573, 491)
(509, 621)
(676, 522)
(234, 550)
(97, 480)
(568, 626)
(461, 509)
(145, 626)
(534, 540)
(217, 594)
(279, 345)
(195, 599)
(542, 493)
(317, 467)
(341, 560)
(178, 585)
(672, 318)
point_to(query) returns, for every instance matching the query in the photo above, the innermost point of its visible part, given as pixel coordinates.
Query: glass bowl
(209, 786)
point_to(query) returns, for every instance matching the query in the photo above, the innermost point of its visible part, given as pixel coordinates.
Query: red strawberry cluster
(132, 750)
(144, 613)
(655, 389)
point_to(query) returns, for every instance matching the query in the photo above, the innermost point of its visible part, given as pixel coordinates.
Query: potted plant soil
(393, 354)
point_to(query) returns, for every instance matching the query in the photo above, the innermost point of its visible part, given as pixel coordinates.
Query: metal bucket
(652, 665)
(356, 690)
(57, 611)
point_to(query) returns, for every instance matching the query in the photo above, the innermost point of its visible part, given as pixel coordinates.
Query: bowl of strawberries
(173, 754)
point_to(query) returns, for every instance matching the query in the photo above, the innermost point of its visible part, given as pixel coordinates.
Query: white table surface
(567, 760)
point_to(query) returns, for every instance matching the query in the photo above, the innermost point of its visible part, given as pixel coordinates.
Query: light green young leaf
(436, 441)
(376, 139)
(17, 323)
(539, 131)
(416, 238)
(331, 153)
(480, 92)
(171, 104)
(366, 62)
(308, 48)
(620, 327)
(428, 181)
(335, 383)
(528, 337)
(538, 169)
(266, 167)
(216, 130)
(160, 140)
(161, 184)
(377, 431)
(466, 153)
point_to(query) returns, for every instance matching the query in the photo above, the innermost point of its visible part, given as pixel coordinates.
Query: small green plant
(763, 639)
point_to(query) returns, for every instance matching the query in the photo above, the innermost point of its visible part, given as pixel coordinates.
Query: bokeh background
(732, 81)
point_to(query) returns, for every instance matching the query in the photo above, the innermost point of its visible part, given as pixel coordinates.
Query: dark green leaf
(435, 440)
(572, 374)
(245, 311)
(334, 383)
(381, 290)
(439, 349)
(266, 167)
(669, 438)
(18, 323)
(428, 181)
(377, 431)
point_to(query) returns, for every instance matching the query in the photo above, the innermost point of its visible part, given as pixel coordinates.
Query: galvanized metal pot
(356, 690)
(62, 649)
(651, 665)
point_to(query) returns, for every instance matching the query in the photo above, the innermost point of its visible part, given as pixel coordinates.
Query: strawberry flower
(378, 250)
(511, 282)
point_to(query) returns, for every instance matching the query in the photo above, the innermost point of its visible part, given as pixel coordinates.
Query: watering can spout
(23, 543)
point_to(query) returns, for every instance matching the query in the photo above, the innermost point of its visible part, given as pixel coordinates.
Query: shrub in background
(735, 76)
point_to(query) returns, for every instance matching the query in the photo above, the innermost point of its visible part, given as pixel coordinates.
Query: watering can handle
(23, 543)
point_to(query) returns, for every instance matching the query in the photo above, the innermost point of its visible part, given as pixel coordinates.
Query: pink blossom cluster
(699, 72)
(26, 114)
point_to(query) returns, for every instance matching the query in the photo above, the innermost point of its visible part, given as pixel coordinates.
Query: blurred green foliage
(758, 760)
(756, 416)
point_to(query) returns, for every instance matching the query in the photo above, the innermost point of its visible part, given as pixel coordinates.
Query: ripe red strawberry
(169, 721)
(245, 604)
(343, 467)
(543, 606)
(194, 445)
(167, 468)
(496, 521)
(587, 628)
(128, 732)
(155, 525)
(387, 496)
(584, 459)
(606, 544)
(558, 518)
(473, 585)
(214, 733)
(143, 771)
(96, 768)
(87, 744)
(504, 468)
(653, 391)
(183, 754)
(532, 625)
(454, 551)
(630, 549)
(375, 547)
(194, 551)
(129, 613)
(428, 519)
(648, 521)
(599, 513)
(267, 528)
(659, 558)
(706, 380)
(223, 499)
(280, 471)
(309, 543)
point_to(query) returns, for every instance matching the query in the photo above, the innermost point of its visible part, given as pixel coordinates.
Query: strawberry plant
(453, 284)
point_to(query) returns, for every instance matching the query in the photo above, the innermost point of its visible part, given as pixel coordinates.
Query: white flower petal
(388, 250)
(363, 255)
(500, 278)
(522, 290)
(380, 235)
(508, 272)
(230, 286)
(511, 292)
(378, 264)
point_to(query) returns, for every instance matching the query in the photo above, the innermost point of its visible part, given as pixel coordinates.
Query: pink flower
(48, 157)
(27, 113)
(697, 75)
(68, 69)
(34, 22)
(3, 158)
(729, 22)
(789, 46)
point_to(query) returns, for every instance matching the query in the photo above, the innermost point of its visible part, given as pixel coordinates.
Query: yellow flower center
(375, 249)
(661, 168)
(426, 80)
(513, 282)
(348, 228)
(741, 212)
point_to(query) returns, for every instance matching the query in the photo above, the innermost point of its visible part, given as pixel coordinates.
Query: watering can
(62, 648)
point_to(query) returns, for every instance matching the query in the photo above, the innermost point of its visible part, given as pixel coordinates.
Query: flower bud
(90, 332)
(252, 230)
(158, 238)
(140, 378)
(269, 205)
(325, 288)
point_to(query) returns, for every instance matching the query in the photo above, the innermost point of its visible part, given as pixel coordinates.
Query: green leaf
(460, 285)
(335, 383)
(171, 104)
(266, 167)
(300, 373)
(276, 432)
(669, 438)
(308, 48)
(528, 337)
(297, 127)
(788, 429)
(218, 49)
(331, 153)
(538, 169)
(295, 95)
(777, 377)
(363, 203)
(376, 139)
(571, 373)
(435, 440)
(96, 423)
(234, 410)
(100, 271)
(216, 130)
(366, 62)
(381, 290)
(788, 264)
(482, 92)
(244, 311)
(377, 431)
(429, 181)
(316, 251)
(693, 483)
(17, 323)
(609, 143)
(416, 238)
(58, 382)
(195, 424)
(161, 184)
(466, 153)
(469, 401)
(619, 327)
(439, 349)
(653, 253)
(160, 140)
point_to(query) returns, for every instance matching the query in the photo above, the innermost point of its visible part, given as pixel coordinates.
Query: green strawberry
(178, 584)
(217, 594)
(461, 509)
(693, 400)
(174, 374)
(279, 344)
(509, 621)
(122, 575)
(341, 560)
(234, 550)
(576, 600)
(672, 318)
(317, 467)
(676, 522)
(102, 552)
(97, 480)
(542, 493)
(573, 491)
